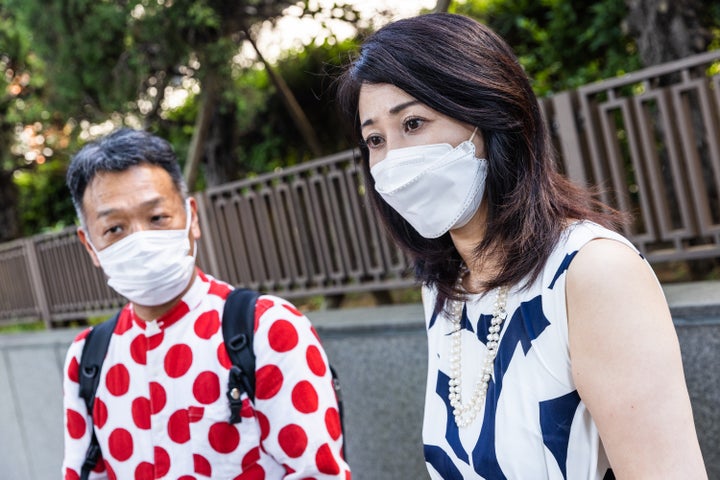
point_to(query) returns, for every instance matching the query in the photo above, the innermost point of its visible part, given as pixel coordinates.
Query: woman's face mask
(435, 188)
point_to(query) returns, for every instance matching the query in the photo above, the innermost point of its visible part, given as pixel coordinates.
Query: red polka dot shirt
(161, 410)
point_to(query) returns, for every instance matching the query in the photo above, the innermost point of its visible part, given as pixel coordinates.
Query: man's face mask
(150, 267)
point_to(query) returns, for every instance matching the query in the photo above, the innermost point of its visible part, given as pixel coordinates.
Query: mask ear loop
(87, 238)
(188, 225)
(473, 134)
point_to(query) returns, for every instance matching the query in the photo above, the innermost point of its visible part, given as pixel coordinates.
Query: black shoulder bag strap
(238, 326)
(93, 355)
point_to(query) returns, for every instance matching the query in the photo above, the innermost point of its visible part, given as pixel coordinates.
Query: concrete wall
(380, 354)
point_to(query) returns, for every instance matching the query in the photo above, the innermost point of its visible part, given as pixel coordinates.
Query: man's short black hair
(117, 152)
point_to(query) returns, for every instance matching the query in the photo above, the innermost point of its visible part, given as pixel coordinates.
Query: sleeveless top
(534, 424)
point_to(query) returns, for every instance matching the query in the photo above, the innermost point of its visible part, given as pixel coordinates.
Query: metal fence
(650, 139)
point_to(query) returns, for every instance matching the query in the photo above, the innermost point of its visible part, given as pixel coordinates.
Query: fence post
(567, 131)
(36, 281)
(206, 241)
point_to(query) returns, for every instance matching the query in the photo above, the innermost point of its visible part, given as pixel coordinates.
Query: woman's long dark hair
(462, 69)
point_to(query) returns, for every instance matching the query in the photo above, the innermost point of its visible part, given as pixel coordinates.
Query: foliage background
(71, 70)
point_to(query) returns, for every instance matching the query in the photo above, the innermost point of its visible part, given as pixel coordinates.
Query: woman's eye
(373, 141)
(412, 124)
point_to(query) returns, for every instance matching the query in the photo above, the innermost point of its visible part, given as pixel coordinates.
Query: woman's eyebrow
(393, 111)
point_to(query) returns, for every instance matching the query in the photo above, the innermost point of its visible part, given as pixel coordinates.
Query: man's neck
(150, 313)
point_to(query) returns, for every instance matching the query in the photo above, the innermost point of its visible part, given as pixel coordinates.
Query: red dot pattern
(121, 444)
(118, 380)
(326, 461)
(315, 361)
(138, 350)
(179, 427)
(268, 381)
(223, 357)
(178, 360)
(144, 470)
(75, 424)
(332, 423)
(293, 440)
(141, 412)
(202, 466)
(223, 437)
(158, 397)
(161, 411)
(155, 341)
(73, 371)
(207, 324)
(282, 336)
(304, 397)
(71, 474)
(206, 388)
(100, 413)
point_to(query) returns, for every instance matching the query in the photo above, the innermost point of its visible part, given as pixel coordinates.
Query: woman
(552, 353)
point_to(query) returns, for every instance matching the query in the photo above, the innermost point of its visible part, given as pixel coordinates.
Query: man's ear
(83, 236)
(195, 222)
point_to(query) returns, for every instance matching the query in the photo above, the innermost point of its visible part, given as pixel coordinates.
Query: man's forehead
(139, 186)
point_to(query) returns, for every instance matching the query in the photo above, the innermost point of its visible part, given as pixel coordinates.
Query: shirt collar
(189, 301)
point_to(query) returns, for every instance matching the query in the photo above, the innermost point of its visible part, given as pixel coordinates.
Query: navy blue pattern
(527, 323)
(440, 461)
(563, 267)
(451, 431)
(432, 320)
(556, 416)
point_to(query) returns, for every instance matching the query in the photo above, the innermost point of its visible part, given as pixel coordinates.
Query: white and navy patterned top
(534, 424)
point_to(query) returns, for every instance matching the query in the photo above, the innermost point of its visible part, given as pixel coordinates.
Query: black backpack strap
(238, 324)
(93, 355)
(338, 395)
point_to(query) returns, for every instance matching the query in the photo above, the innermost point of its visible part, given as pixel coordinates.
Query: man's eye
(160, 219)
(115, 229)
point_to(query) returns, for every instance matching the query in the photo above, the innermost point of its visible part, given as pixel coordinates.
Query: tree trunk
(221, 163)
(666, 30)
(9, 221)
(208, 102)
(296, 112)
(442, 6)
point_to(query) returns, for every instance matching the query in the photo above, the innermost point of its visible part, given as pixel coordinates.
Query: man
(161, 409)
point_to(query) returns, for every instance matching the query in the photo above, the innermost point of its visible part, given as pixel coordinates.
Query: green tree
(562, 44)
(106, 56)
(30, 137)
(109, 62)
(666, 31)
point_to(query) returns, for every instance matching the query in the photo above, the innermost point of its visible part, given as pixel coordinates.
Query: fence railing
(651, 139)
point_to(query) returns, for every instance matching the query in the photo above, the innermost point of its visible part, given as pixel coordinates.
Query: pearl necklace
(465, 413)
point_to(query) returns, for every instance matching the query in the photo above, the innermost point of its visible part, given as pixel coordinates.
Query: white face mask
(435, 188)
(150, 267)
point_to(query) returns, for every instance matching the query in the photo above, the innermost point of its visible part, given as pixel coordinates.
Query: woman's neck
(466, 239)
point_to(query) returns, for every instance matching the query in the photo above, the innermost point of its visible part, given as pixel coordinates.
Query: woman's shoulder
(600, 256)
(577, 234)
(576, 237)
